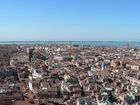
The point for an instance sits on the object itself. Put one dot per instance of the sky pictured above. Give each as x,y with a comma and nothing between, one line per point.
69,20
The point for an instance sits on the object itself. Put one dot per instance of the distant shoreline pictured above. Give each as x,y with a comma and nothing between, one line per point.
96,43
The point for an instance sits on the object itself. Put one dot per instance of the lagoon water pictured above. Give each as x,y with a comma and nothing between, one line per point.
96,43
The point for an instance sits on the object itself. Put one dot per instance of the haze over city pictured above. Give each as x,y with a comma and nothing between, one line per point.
69,52
69,20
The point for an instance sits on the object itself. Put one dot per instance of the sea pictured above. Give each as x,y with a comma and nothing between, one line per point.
94,43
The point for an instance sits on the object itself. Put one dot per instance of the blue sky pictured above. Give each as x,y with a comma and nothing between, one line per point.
93,20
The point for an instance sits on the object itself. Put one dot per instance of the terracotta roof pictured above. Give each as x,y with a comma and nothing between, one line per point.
26,102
